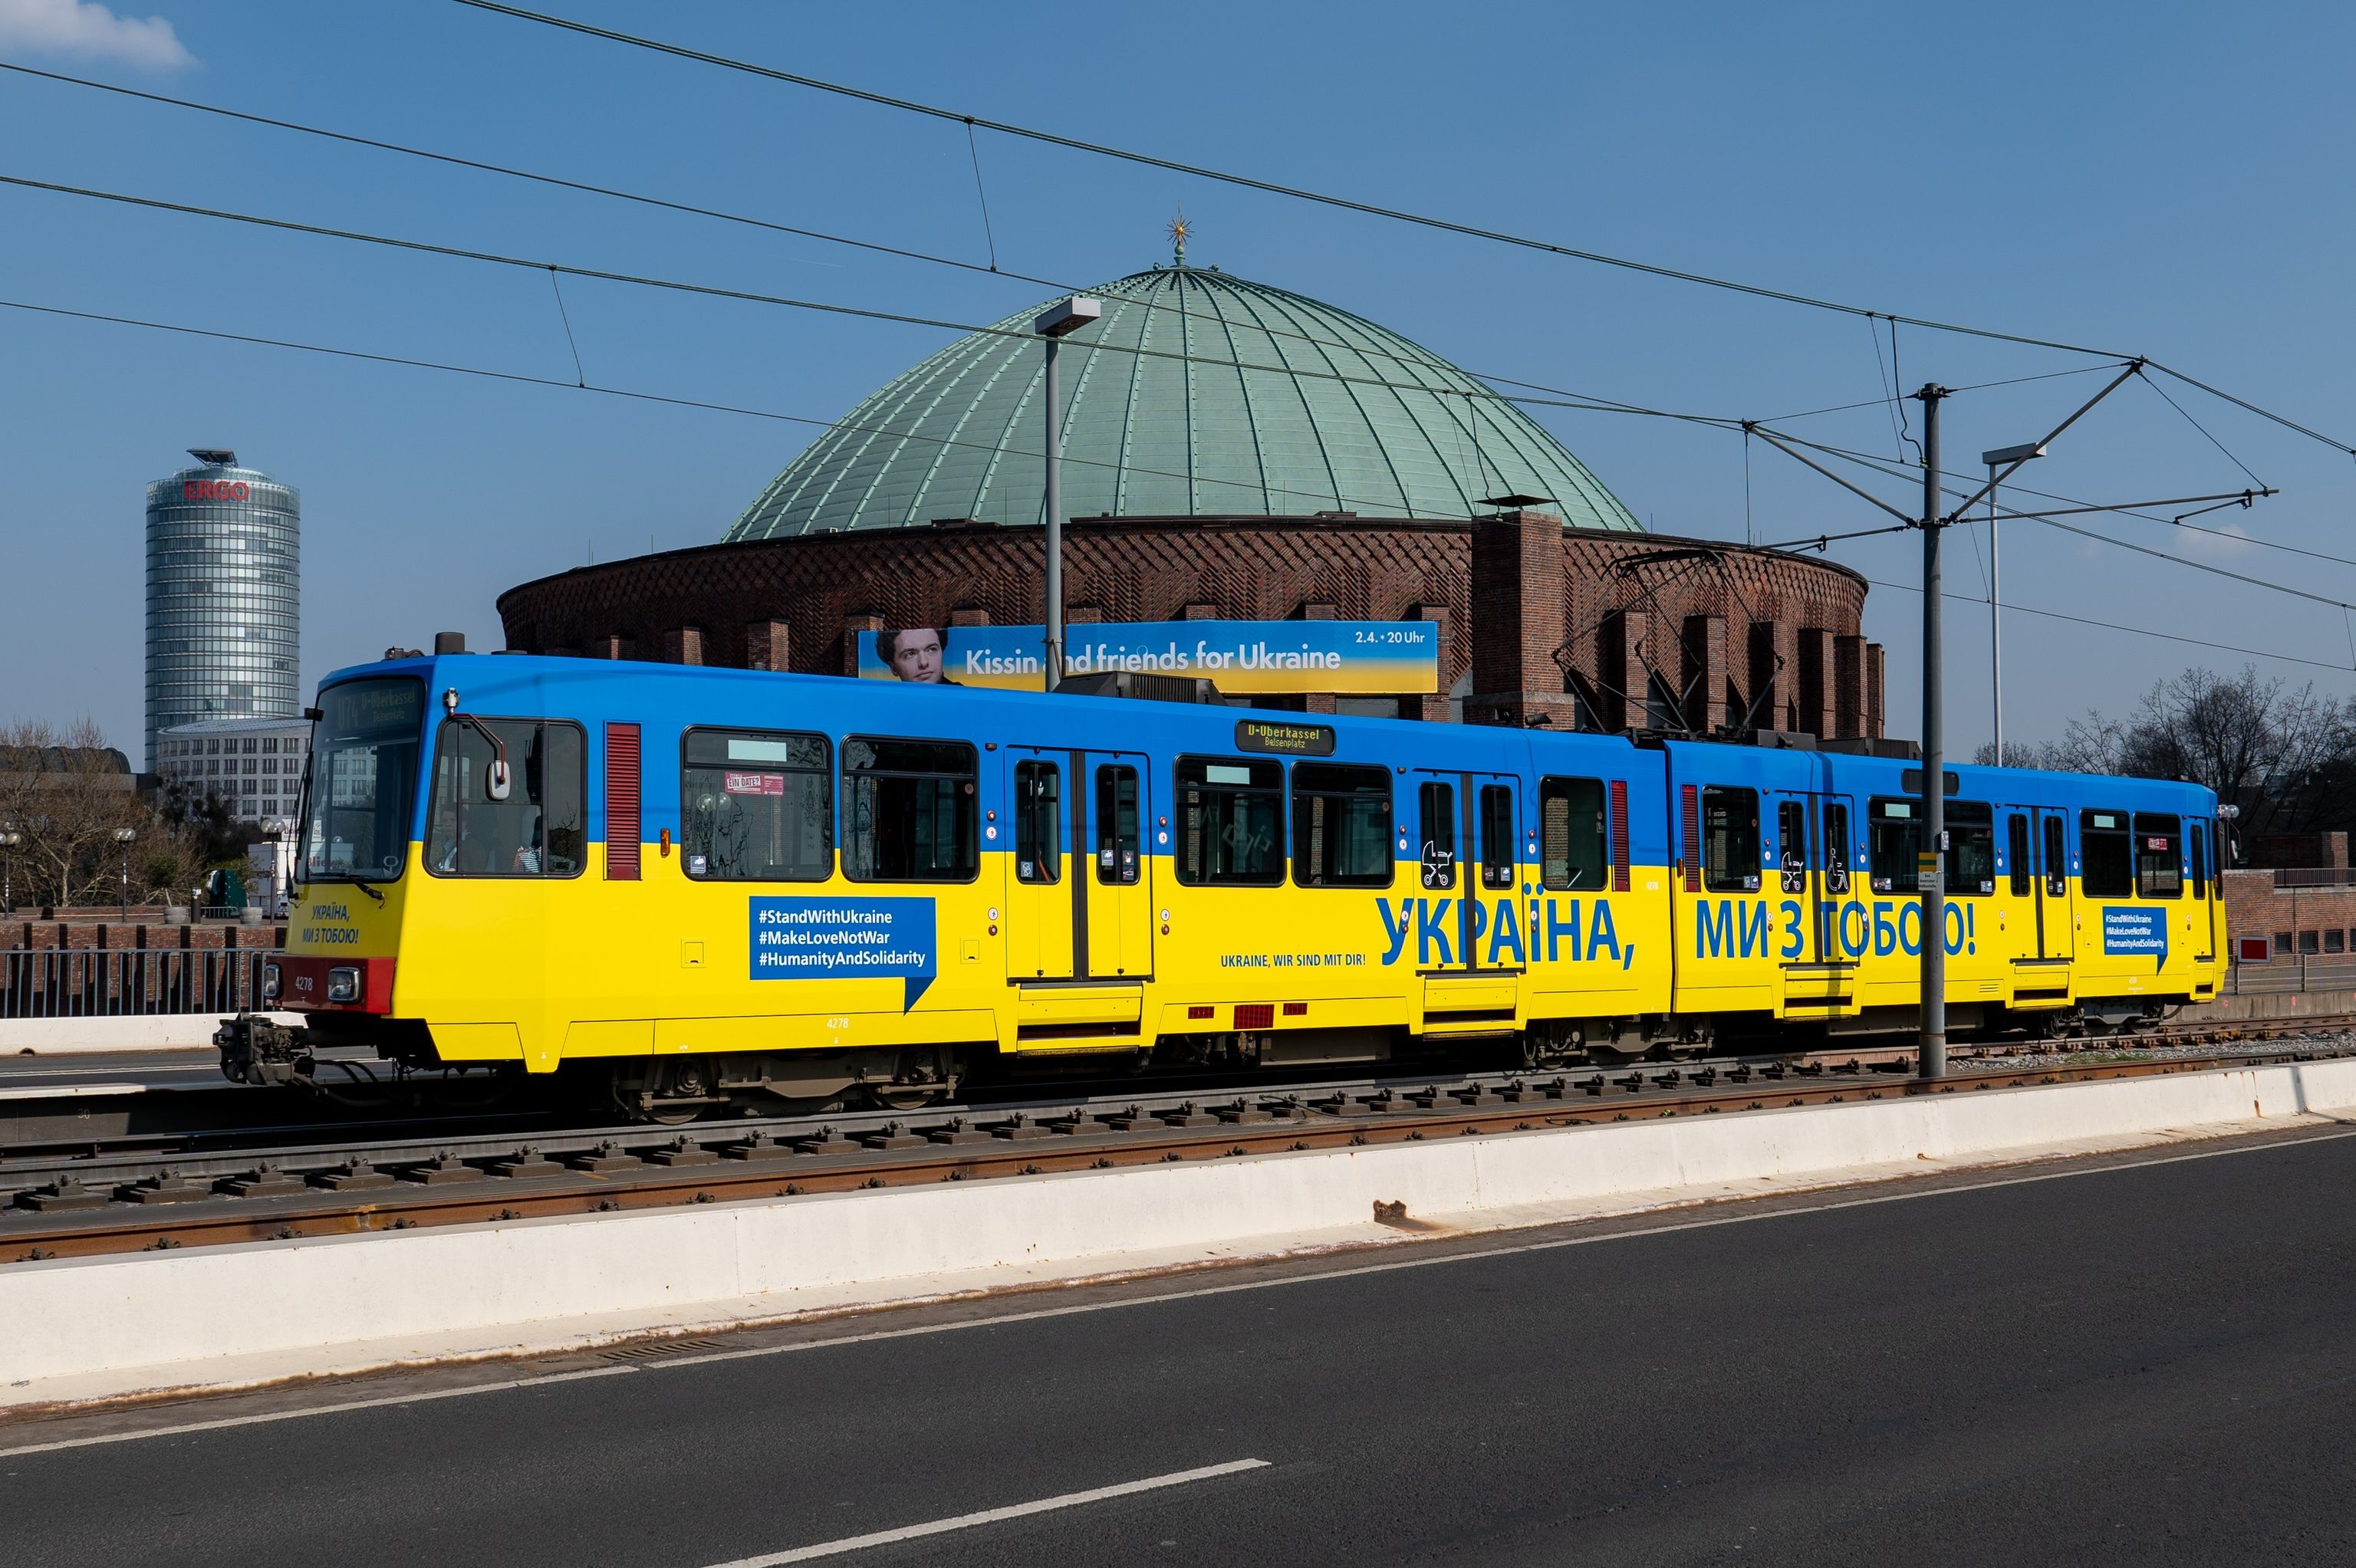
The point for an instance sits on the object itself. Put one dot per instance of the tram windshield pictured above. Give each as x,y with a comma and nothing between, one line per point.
362,788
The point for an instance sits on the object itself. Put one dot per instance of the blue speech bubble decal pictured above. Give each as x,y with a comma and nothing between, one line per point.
845,939
2129,933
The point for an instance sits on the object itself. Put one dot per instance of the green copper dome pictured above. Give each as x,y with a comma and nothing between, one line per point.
1330,412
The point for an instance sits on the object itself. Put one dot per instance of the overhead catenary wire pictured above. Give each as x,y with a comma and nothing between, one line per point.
581,380
2203,429
2012,609
1250,182
750,297
1367,349
992,269
632,394
707,405
2126,509
580,377
2188,561
1373,209
982,195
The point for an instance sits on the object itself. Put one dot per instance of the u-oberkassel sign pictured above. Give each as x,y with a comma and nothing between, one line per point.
1384,656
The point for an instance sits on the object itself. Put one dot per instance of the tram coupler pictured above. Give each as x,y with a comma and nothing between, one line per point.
256,1050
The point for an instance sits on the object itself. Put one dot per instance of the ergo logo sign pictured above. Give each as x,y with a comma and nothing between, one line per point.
213,490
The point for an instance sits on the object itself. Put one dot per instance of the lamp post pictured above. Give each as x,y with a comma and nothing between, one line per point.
2002,457
123,835
1060,321
9,839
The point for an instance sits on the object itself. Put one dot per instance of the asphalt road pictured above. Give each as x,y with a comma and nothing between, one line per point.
2132,1362
20,1072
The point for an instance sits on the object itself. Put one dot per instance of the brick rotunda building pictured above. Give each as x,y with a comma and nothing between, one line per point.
1236,452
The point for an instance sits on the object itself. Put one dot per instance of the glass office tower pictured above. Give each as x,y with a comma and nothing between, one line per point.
224,575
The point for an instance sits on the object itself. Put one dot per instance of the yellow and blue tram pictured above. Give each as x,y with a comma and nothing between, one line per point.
693,886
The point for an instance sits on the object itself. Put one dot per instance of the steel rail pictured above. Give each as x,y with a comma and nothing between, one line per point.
657,1166
61,1144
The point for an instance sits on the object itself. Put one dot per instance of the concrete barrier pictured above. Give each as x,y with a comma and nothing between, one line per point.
92,1035
2270,1006
96,1327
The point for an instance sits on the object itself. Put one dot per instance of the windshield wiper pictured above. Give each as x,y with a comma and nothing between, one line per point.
368,889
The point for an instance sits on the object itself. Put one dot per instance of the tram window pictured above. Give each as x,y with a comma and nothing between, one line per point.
1038,822
1971,847
2158,857
2057,859
910,813
1119,833
755,806
538,831
1230,823
1570,834
1341,825
1729,841
1837,848
2104,846
1436,813
2016,849
2199,862
1893,841
1792,844
1498,862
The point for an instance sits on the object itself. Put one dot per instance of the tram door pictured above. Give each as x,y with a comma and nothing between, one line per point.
1118,919
2057,918
1079,888
2205,891
1470,832
1039,881
1811,876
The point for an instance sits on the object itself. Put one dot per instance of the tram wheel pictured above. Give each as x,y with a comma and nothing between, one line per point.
909,1097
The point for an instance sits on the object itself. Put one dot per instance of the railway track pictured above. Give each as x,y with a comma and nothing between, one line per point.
65,1207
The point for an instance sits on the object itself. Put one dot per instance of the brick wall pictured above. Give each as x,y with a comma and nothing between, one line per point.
1565,622
2255,907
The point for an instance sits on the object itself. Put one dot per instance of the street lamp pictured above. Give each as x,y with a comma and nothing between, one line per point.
2002,457
1058,322
123,835
9,839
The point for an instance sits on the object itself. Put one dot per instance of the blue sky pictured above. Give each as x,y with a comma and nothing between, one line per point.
2156,178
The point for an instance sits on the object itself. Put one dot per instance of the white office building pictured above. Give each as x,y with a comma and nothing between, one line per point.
254,766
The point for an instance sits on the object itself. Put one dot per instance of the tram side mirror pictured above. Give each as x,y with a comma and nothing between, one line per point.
498,779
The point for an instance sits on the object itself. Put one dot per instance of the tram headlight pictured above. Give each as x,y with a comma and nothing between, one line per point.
270,982
343,985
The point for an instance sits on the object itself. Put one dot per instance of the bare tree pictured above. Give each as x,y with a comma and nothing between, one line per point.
2089,744
68,794
2286,758
2267,749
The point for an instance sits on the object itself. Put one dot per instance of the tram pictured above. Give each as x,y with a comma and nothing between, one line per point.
688,887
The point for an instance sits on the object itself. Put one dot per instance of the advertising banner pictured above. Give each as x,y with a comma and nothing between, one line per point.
1237,657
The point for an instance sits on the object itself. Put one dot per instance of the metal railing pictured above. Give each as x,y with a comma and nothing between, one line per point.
2315,877
125,982
2291,972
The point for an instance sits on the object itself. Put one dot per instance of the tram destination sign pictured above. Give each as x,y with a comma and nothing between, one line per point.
1236,657
1284,740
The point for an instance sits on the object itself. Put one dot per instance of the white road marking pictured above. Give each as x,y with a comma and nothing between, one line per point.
420,1398
65,1091
1044,1313
994,1516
